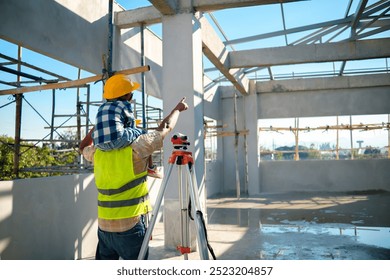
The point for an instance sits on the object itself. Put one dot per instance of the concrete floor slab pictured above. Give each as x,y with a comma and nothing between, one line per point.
293,226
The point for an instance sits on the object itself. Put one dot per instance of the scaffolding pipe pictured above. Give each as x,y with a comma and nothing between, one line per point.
78,112
236,134
284,23
350,122
388,135
246,166
87,112
18,120
52,116
337,138
296,133
110,36
72,83
142,27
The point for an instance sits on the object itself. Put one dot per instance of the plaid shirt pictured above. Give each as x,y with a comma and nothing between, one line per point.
112,119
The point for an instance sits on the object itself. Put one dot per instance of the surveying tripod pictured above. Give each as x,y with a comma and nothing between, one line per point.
181,157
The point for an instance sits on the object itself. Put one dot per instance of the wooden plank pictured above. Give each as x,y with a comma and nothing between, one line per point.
72,83
229,133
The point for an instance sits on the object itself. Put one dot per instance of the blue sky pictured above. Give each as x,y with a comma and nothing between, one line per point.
236,23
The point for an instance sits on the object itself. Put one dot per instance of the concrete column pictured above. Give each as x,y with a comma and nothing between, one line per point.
182,77
250,103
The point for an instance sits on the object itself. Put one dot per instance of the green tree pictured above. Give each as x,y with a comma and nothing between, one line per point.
6,157
32,156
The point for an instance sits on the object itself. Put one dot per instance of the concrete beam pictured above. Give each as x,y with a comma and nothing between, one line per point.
353,50
165,7
153,14
355,95
333,83
216,52
133,18
213,5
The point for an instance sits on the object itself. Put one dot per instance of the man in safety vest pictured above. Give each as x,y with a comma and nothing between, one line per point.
121,181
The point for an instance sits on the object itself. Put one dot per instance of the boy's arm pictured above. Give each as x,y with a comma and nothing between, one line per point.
133,133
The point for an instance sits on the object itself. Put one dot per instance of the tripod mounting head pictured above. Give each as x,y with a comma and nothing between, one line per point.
180,141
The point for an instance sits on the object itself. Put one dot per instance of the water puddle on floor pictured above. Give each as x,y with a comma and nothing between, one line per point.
372,236
304,234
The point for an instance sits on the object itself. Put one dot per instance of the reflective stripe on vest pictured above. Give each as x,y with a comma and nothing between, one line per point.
126,187
121,203
121,193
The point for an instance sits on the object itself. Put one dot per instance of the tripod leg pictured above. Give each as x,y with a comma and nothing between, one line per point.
184,224
201,236
153,218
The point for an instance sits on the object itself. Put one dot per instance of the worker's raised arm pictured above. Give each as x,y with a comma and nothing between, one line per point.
170,121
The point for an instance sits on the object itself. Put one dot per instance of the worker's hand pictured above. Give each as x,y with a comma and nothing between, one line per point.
181,106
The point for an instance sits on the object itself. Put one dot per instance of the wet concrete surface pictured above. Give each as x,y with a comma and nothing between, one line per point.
293,226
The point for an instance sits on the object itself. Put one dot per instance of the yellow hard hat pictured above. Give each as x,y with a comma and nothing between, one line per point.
119,85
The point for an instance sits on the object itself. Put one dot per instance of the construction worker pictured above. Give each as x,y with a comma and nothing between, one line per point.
120,177
115,126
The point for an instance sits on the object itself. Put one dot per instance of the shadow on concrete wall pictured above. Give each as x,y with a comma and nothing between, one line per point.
78,38
49,218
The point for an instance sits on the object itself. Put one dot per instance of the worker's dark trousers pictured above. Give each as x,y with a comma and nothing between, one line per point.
125,245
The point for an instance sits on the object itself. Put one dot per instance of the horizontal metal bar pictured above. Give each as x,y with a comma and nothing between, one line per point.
19,73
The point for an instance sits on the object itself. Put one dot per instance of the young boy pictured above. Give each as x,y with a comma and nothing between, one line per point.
115,123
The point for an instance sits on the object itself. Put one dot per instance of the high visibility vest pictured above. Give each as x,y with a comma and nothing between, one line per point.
121,193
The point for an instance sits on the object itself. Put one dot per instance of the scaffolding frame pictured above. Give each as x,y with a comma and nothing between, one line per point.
350,127
82,111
